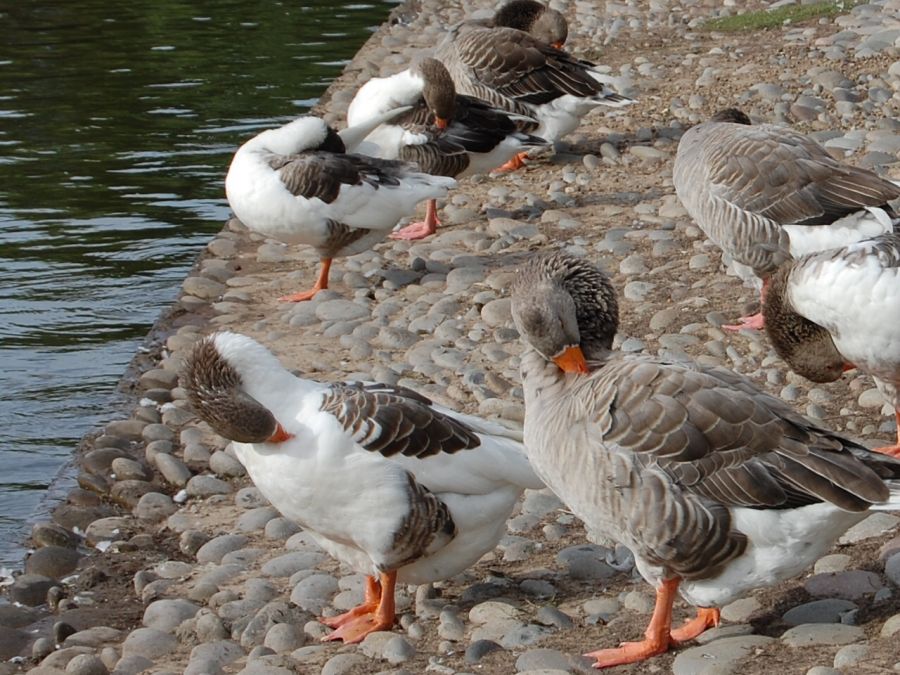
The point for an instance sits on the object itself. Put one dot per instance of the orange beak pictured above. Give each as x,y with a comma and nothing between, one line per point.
440,122
849,366
557,45
571,360
280,435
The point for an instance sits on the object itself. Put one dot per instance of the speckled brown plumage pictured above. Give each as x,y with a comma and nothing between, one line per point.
394,420
428,525
214,392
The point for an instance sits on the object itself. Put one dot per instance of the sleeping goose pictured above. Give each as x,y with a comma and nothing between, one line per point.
517,72
765,194
541,22
445,134
716,487
830,311
296,184
390,484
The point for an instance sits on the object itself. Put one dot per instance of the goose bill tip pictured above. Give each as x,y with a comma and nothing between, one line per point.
571,360
280,435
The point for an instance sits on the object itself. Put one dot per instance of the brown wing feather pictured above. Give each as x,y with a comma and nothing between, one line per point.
395,420
719,437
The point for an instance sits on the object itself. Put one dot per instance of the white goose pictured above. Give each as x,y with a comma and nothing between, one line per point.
387,482
716,487
516,71
445,134
297,185
765,194
831,311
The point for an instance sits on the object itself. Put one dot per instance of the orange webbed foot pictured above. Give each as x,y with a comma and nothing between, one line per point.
707,617
514,164
753,322
355,630
628,652
414,231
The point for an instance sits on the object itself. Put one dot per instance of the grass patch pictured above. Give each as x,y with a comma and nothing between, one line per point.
775,18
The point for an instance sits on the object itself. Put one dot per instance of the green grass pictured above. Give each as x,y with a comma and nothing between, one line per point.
790,14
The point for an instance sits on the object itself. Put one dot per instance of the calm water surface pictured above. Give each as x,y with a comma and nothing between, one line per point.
117,123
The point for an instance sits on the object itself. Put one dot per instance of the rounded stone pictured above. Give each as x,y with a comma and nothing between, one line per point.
52,561
86,664
284,637
155,507
51,534
148,642
30,589
207,486
215,549
166,615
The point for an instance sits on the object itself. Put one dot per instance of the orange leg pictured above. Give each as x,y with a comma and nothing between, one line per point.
321,284
656,638
892,450
422,229
754,321
707,617
370,604
515,163
381,618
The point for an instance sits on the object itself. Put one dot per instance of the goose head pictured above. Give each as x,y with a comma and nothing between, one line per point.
733,115
302,134
216,375
806,347
438,90
543,23
565,308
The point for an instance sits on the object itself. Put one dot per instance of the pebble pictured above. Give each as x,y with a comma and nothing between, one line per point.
818,611
808,634
849,585
52,561
86,664
149,642
166,615
30,589
215,549
721,657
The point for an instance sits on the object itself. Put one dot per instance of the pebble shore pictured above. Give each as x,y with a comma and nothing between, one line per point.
166,559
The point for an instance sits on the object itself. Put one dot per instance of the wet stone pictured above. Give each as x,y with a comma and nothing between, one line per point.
51,534
30,589
52,561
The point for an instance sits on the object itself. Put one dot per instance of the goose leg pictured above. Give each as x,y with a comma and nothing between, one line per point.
515,163
892,450
707,617
656,638
321,284
380,618
423,229
370,604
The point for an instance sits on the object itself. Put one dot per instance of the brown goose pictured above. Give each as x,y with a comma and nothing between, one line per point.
765,194
516,71
830,311
716,487
296,184
444,133
392,485
541,22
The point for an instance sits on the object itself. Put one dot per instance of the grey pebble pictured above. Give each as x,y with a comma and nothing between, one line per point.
52,561
154,507
166,615
586,561
280,529
215,549
223,464
851,655
398,650
809,634
207,486
313,592
721,657
86,664
818,611
284,637
479,649
30,589
148,642
343,663
287,564
173,469
850,585
256,519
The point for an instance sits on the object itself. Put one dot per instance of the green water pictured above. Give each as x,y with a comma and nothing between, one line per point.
117,123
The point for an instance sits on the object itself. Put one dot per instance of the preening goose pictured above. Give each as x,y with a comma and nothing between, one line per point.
444,133
517,72
387,482
765,194
296,184
828,312
716,487
541,22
